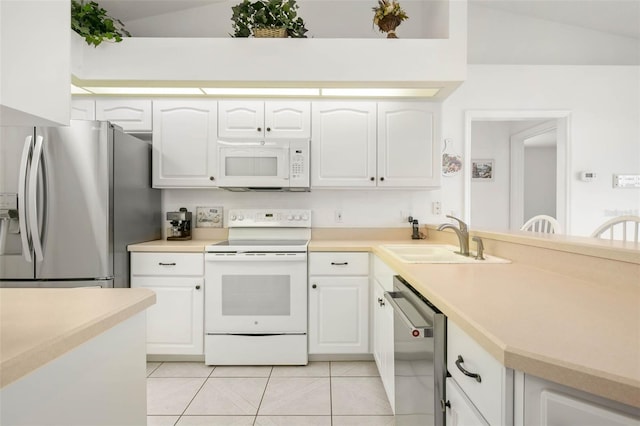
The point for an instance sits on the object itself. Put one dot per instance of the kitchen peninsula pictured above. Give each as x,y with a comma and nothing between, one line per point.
73,356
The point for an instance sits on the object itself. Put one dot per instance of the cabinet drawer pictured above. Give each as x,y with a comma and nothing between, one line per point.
167,264
491,394
339,263
383,273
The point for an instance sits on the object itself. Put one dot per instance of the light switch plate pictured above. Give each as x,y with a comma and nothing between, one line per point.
208,217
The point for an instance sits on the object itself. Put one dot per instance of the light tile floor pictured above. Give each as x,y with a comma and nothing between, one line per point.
345,393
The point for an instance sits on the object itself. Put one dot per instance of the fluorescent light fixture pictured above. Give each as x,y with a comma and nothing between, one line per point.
75,90
382,92
248,91
145,90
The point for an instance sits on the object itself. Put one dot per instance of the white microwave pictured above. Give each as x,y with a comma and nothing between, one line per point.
263,165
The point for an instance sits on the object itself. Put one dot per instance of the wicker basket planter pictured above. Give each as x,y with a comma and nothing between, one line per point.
388,24
270,32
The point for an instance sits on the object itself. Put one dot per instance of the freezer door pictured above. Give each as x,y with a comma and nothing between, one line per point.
16,254
75,202
57,284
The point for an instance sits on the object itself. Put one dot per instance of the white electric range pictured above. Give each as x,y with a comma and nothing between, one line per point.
256,289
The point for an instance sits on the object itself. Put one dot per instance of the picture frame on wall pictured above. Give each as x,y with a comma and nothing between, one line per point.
482,170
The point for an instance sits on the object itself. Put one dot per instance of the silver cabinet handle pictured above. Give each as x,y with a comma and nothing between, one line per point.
339,263
467,373
167,264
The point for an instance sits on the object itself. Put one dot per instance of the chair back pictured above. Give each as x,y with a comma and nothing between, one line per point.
542,223
624,228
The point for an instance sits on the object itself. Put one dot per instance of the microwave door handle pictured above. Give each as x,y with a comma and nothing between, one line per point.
22,200
225,143
33,199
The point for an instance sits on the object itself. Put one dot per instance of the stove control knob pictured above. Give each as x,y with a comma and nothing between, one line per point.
233,217
296,217
240,217
290,217
305,217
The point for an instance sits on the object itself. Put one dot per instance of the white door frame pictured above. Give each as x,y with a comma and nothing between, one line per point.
516,187
563,165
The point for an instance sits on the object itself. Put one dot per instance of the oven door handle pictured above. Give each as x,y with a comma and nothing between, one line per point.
255,257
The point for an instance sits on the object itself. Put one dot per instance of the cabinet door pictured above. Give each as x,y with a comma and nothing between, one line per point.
184,137
338,315
383,341
133,115
240,119
343,144
175,324
83,109
287,120
408,144
460,411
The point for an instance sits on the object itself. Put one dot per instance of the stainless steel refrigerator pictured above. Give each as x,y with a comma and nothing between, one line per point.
71,200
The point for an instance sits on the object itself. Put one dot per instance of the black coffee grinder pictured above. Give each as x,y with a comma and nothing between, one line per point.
180,225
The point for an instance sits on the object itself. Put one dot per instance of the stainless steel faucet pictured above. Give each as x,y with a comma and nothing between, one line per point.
462,232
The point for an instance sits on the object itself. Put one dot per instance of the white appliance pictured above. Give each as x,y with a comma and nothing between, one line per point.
263,165
256,298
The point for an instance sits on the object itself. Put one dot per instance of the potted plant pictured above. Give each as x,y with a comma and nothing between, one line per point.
94,24
267,18
388,15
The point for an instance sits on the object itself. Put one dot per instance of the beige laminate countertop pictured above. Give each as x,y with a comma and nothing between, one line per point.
37,325
571,331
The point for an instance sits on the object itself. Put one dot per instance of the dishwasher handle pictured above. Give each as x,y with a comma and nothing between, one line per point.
416,330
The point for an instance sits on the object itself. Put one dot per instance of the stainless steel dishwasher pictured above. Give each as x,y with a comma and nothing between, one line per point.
420,363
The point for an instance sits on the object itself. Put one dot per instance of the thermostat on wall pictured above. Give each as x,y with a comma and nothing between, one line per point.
208,217
587,176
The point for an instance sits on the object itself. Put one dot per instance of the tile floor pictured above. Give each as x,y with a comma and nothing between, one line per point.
345,393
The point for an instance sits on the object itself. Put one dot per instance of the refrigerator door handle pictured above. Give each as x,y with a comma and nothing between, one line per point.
33,199
22,200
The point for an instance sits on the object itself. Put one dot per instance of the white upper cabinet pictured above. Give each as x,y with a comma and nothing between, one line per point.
264,120
133,115
408,148
35,63
343,144
369,144
83,109
184,137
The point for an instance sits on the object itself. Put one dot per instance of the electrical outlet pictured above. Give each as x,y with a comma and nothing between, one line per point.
337,216
436,208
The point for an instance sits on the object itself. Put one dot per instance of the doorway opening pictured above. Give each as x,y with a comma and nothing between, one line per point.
529,155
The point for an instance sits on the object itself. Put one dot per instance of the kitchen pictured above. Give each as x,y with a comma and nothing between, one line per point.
486,86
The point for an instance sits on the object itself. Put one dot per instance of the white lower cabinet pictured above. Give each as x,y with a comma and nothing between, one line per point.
383,327
485,382
338,303
460,410
175,324
548,403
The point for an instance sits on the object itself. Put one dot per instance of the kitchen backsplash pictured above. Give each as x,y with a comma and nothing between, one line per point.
330,208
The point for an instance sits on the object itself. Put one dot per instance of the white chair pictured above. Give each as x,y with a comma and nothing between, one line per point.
625,228
542,223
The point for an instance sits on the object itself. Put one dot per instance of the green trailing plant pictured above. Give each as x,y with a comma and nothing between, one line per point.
94,23
249,15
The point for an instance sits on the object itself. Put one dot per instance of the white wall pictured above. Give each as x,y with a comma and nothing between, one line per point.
500,37
360,208
604,128
539,181
490,199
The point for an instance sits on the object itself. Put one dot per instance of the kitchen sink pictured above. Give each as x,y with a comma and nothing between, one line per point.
435,253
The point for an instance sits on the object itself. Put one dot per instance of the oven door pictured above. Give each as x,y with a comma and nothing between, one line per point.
256,293
253,164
